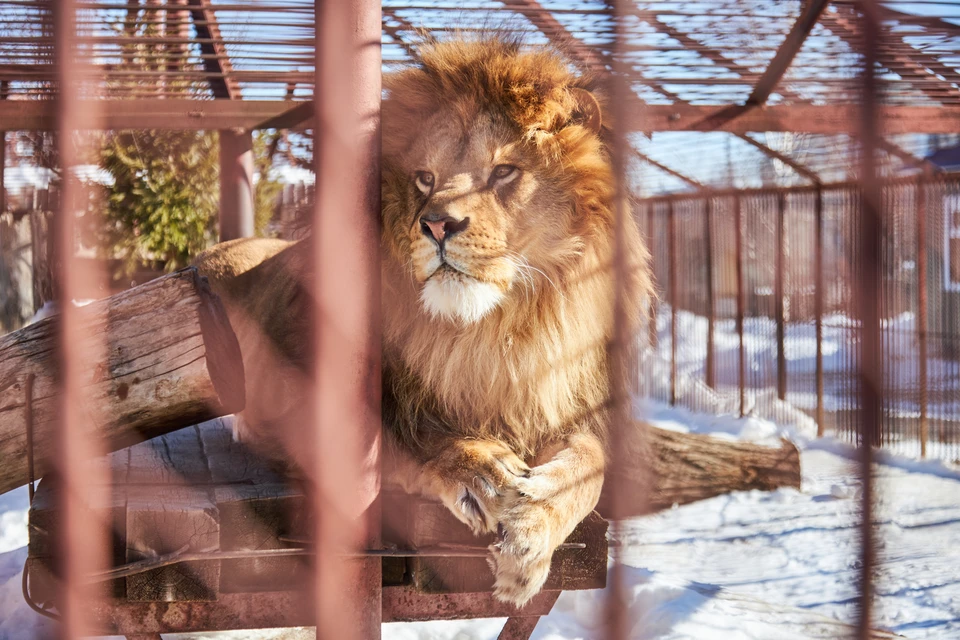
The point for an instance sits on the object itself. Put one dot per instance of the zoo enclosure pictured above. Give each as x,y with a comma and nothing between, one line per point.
719,84
757,300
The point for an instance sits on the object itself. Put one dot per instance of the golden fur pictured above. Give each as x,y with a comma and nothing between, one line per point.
476,402
495,339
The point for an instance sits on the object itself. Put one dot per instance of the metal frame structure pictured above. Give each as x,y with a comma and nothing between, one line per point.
68,73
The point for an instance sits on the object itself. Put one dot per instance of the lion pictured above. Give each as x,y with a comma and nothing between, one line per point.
497,246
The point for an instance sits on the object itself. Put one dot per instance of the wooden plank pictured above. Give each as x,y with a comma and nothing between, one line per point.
262,516
108,508
163,520
170,360
173,459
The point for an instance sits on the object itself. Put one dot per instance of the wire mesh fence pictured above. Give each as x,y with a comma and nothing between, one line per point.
798,339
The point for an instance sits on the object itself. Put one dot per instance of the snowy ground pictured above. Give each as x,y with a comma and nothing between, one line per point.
725,567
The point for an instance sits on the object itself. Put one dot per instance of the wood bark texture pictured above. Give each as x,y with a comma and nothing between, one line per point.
686,467
166,358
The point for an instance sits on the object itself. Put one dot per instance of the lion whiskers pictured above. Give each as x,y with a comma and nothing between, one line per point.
526,270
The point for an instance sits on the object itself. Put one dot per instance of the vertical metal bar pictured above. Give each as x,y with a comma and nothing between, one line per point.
710,365
621,357
236,185
778,302
741,304
81,547
868,295
346,363
672,247
818,305
922,312
654,307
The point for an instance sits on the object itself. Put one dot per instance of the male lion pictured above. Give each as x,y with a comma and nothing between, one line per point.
497,248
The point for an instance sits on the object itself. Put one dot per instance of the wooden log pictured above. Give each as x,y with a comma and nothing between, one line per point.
686,467
169,360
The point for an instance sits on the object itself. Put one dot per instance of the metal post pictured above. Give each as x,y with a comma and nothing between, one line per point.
922,311
868,298
620,355
652,325
741,303
236,185
778,302
81,545
710,365
672,247
345,406
818,305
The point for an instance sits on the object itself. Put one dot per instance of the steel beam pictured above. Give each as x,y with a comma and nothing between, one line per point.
809,15
215,61
148,113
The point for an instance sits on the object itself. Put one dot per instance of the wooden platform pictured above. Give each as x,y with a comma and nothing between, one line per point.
197,491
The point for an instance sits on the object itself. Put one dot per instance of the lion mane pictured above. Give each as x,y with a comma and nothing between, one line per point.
536,368
499,233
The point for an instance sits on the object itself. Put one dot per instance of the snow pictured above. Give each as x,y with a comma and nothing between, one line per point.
744,565
748,565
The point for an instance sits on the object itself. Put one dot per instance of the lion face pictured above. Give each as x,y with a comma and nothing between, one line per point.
478,214
480,201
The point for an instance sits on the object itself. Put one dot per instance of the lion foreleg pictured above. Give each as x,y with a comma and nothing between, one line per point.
473,478
541,511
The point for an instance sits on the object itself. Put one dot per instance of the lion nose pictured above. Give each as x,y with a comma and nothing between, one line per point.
441,227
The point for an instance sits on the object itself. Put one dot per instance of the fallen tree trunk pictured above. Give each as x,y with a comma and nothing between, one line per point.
167,359
686,467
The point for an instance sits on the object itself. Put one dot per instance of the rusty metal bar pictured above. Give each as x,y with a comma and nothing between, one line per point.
212,44
621,353
345,404
236,185
922,321
81,544
868,297
809,15
652,337
818,305
674,298
741,348
710,365
778,300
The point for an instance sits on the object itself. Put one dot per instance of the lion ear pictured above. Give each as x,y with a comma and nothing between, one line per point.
587,111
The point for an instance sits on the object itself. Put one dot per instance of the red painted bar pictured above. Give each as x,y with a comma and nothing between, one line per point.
778,302
708,222
922,302
818,306
345,256
868,297
741,304
81,542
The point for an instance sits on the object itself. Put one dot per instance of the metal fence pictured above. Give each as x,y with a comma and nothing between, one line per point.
757,301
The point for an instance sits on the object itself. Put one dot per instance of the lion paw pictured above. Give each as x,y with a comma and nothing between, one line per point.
475,477
521,559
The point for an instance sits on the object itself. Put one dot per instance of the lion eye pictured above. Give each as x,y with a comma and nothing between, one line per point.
502,172
425,181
